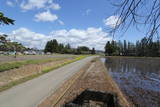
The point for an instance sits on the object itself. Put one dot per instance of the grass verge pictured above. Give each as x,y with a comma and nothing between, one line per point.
14,83
17,64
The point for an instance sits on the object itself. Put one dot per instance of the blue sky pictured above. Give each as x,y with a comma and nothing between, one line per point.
78,22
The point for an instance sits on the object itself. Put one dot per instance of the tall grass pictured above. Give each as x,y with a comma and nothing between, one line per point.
17,64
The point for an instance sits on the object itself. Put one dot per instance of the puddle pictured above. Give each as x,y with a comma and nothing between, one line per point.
91,98
139,78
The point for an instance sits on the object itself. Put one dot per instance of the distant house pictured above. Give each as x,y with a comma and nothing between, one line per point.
40,52
6,53
48,53
99,52
1,52
30,52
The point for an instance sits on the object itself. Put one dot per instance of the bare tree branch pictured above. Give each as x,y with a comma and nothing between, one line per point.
139,12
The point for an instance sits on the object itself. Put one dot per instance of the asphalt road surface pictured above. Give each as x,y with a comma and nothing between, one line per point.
31,93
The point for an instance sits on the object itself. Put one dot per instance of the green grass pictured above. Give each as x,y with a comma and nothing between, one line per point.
17,64
14,83
67,62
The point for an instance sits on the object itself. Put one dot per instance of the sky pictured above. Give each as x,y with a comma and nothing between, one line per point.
77,22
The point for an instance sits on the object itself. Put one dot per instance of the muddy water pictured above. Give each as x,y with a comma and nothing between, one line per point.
138,78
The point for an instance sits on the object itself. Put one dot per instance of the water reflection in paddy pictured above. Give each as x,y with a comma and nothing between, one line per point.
139,78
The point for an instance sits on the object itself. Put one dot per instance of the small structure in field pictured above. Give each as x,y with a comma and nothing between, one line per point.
91,98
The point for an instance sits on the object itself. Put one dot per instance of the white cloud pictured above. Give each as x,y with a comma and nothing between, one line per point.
9,3
60,22
54,6
29,38
88,11
112,21
46,16
32,4
46,5
91,37
1,33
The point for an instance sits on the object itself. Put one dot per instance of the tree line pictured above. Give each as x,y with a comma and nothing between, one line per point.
144,47
53,46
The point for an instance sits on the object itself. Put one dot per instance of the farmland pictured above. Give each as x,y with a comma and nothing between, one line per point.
15,71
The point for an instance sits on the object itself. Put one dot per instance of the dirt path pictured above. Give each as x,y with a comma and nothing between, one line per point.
31,93
95,78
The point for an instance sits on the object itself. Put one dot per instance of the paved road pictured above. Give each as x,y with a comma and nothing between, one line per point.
31,93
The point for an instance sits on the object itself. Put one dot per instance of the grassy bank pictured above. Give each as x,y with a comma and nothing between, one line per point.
19,81
67,62
16,64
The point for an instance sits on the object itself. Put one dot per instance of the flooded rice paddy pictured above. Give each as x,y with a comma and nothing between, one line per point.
138,78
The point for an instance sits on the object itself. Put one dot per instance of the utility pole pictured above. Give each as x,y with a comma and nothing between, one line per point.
15,52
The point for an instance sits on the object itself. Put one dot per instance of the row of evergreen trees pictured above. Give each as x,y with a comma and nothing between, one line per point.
144,47
53,46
